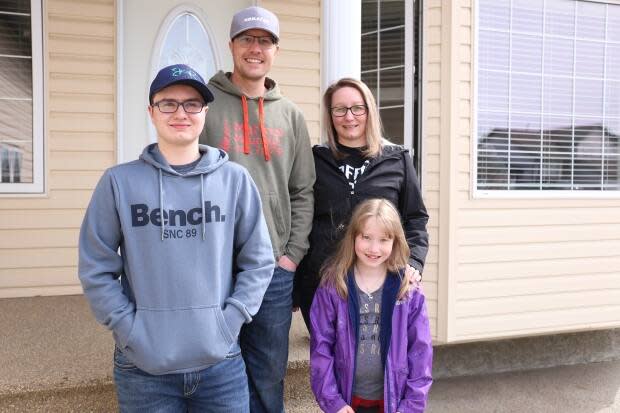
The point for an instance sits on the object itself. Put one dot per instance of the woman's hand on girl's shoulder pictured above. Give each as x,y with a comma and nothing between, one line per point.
414,277
346,409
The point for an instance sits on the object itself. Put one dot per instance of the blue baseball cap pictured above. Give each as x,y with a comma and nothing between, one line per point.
180,74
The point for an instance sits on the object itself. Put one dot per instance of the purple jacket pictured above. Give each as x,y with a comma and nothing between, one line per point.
333,347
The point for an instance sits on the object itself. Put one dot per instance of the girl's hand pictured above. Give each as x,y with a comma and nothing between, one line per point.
346,409
414,277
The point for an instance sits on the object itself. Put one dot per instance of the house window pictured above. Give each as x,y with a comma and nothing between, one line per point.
548,96
21,95
389,58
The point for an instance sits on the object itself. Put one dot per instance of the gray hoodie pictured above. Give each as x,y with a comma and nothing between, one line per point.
189,279
268,135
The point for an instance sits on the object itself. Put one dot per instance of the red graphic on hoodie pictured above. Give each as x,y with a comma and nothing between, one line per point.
233,140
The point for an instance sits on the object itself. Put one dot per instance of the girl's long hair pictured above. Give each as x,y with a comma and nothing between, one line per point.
374,130
334,271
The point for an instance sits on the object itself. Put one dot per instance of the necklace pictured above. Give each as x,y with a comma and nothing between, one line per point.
363,288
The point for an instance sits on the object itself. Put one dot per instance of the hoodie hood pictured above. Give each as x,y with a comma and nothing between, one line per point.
222,81
210,160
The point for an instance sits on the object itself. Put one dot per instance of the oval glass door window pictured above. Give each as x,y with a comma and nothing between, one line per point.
187,41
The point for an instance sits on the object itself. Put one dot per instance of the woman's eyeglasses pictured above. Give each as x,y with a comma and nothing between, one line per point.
356,110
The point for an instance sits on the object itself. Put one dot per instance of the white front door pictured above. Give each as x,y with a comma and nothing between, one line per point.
157,33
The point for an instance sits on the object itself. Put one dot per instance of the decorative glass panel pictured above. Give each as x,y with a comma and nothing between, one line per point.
187,42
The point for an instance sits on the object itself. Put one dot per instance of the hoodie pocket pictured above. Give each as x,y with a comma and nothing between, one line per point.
170,341
274,215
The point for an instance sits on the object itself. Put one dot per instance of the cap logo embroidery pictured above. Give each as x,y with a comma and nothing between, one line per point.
258,18
177,71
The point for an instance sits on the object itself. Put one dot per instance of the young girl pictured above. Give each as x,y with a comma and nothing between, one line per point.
370,348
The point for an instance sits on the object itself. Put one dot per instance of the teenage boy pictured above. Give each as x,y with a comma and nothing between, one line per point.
266,133
183,230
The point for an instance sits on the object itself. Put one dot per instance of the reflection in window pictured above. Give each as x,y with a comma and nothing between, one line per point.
548,95
16,119
10,165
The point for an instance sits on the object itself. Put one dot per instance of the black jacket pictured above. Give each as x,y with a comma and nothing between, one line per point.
391,176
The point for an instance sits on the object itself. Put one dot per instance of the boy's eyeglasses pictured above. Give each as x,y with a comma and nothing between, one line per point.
264,42
356,110
171,106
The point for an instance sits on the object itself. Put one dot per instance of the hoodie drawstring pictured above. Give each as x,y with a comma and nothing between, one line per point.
202,205
246,127
161,203
263,132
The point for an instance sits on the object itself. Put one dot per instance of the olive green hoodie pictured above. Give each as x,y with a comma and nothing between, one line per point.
268,135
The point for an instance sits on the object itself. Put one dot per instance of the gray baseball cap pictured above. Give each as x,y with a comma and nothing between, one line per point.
255,18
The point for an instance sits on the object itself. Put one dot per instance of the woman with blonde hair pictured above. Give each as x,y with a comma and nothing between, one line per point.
357,163
370,348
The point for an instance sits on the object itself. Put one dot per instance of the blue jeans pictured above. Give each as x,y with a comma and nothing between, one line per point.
264,345
216,389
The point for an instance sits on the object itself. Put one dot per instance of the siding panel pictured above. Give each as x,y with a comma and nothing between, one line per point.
543,322
37,238
59,199
520,268
38,257
431,113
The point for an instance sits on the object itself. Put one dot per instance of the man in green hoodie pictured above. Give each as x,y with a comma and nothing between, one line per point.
266,133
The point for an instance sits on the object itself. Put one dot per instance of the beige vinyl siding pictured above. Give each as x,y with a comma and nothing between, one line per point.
297,66
508,267
38,236
430,173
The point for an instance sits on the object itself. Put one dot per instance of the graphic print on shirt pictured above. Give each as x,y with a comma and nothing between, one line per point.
171,219
232,139
352,173
370,316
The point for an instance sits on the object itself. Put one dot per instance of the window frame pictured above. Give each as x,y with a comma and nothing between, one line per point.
37,186
412,119
377,70
515,193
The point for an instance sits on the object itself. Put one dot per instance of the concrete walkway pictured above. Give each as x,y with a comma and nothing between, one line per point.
591,388
55,358
588,388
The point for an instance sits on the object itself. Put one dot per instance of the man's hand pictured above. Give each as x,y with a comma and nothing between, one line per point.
346,409
287,264
414,277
